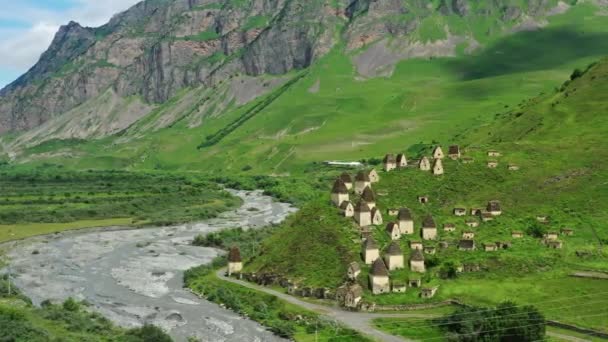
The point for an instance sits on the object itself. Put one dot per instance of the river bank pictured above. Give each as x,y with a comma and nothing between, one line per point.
134,276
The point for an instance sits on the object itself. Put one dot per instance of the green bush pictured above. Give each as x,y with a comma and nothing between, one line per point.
147,333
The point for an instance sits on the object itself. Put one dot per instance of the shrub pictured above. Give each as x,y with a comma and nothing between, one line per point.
147,333
71,305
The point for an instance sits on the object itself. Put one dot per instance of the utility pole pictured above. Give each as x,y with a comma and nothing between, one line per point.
316,331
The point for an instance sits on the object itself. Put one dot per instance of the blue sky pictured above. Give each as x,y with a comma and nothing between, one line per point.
28,26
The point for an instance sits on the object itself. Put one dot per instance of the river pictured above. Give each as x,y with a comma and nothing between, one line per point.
135,276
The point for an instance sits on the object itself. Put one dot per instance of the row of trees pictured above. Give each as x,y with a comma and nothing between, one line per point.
505,323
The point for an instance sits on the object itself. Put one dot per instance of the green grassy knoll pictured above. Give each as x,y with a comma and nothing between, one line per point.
315,245
40,201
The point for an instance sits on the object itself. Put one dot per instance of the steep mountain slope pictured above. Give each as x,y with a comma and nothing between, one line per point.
210,56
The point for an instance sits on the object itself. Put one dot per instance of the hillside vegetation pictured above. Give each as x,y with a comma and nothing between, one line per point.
336,109
555,139
57,200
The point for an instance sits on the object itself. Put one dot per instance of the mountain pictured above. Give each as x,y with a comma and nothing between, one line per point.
213,56
275,85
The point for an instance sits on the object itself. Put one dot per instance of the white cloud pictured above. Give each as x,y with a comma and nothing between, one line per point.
21,47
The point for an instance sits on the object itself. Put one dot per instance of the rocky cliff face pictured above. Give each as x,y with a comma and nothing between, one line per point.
158,47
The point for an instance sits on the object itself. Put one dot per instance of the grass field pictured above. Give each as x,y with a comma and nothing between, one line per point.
20,231
46,200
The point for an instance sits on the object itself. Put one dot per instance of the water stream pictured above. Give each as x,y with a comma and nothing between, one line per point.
135,276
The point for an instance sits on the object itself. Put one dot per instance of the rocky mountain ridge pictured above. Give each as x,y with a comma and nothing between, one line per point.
146,55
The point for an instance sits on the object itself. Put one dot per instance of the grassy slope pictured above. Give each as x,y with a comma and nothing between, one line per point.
314,246
563,175
424,100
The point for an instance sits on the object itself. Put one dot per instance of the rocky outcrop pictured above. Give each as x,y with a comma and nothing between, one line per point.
156,48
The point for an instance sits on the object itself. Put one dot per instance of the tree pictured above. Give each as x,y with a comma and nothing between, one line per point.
147,333
505,323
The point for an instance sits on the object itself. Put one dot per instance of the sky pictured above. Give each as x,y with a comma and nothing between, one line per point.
28,26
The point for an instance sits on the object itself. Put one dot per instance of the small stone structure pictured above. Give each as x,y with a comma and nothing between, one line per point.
414,282
392,212
516,234
490,247
429,228
466,245
430,250
449,227
373,176
349,295
476,211
339,193
472,223
512,167
428,292
347,209
376,217
362,181
492,164
454,152
235,262
438,167
468,160
417,261
551,236
394,257
363,214
390,162
370,251
460,211
423,199
494,208
468,235
567,231
424,164
493,153
555,244
369,197
399,287
438,153
347,180
378,278
416,245
406,222
486,217
393,231
401,160
353,270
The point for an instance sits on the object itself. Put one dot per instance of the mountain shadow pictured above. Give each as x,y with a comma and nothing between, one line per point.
531,51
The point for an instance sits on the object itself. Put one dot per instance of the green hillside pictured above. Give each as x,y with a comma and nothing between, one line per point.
351,117
556,140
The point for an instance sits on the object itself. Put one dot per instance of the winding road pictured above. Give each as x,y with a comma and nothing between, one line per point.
359,321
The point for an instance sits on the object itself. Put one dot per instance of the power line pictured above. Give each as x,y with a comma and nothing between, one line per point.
435,338
510,315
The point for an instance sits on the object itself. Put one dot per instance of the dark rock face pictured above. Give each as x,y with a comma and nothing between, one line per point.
158,47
